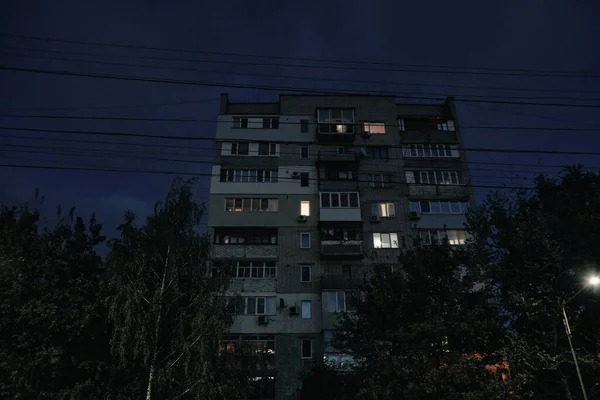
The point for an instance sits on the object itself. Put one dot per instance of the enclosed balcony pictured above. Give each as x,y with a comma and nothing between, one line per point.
340,206
338,156
247,242
341,240
335,125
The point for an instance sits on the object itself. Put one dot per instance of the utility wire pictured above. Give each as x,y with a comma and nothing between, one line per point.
297,123
110,107
461,70
278,76
122,134
275,88
212,149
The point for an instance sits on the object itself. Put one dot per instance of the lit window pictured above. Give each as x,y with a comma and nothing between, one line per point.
385,240
375,128
384,210
306,309
305,208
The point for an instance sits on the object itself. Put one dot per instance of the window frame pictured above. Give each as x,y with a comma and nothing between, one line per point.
384,181
438,235
256,299
309,269
302,344
328,195
250,268
367,125
430,150
252,201
462,204
389,205
304,125
302,149
302,314
303,212
389,237
336,301
302,234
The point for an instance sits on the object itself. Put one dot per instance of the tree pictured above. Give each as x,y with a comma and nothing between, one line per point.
424,332
537,247
54,343
169,312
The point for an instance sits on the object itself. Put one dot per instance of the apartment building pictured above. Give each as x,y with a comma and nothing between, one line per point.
311,193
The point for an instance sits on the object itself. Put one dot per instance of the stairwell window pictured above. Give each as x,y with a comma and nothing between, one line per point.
305,240
303,126
304,179
303,151
385,240
306,352
306,309
305,273
305,208
374,128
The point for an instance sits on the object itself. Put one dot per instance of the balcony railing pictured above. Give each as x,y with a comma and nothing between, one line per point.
336,157
329,281
342,249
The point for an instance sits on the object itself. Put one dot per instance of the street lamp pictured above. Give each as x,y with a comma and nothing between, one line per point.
592,281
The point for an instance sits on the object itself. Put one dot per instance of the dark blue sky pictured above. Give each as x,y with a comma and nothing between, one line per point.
528,34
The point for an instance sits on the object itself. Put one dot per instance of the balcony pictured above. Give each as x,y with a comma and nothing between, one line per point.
341,132
449,192
340,214
349,249
245,251
340,282
335,157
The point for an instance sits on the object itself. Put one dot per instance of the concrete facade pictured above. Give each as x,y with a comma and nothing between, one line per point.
328,170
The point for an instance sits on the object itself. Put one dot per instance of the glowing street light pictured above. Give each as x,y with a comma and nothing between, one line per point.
592,281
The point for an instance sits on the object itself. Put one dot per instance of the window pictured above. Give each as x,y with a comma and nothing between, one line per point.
375,128
304,179
251,204
257,306
339,200
264,344
346,271
377,153
305,208
335,120
435,177
249,175
446,125
455,237
380,181
385,240
270,123
439,206
383,210
256,269
341,233
336,301
303,151
420,124
306,309
258,235
305,274
431,150
256,122
240,149
267,149
401,125
306,348
305,240
303,126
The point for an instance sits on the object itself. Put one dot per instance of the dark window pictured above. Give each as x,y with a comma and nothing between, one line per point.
420,124
239,148
263,236
378,153
305,273
244,122
270,123
304,179
303,126
306,348
346,271
303,151
263,149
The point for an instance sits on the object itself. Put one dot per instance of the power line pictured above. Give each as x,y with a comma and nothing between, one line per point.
210,121
310,78
121,134
109,107
90,169
275,88
162,146
478,70
129,155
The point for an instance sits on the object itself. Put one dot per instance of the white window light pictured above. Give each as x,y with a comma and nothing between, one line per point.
305,208
385,240
383,210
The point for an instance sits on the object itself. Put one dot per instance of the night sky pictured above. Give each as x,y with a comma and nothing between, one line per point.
537,37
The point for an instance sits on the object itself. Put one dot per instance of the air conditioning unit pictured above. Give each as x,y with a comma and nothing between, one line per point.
414,215
296,175
263,320
293,311
375,219
302,218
